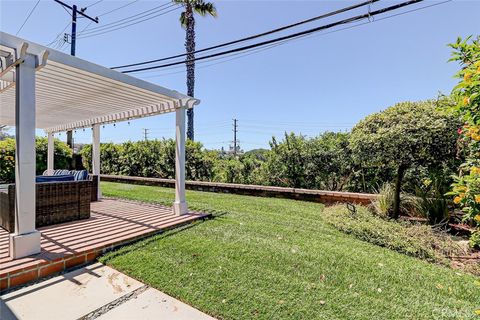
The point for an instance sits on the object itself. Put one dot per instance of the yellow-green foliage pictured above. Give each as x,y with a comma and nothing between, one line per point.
63,155
466,190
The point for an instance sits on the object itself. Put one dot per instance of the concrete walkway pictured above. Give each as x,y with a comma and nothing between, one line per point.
93,292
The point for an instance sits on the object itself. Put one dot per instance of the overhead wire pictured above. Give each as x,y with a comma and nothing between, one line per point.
276,30
124,23
307,37
28,17
290,36
97,2
116,9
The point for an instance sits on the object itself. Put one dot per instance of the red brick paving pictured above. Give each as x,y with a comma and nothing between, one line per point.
112,223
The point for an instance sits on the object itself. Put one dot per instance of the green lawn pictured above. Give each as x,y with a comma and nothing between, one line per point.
266,258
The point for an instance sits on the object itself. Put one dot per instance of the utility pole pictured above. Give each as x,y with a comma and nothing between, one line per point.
235,130
73,43
145,134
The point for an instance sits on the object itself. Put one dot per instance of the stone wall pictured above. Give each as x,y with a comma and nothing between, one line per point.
327,197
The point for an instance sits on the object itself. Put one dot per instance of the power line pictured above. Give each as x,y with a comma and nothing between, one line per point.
105,13
126,19
58,36
130,22
291,36
89,6
121,7
256,35
75,12
28,17
304,37
88,25
128,25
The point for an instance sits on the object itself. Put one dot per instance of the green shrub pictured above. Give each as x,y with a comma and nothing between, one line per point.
7,160
475,239
430,201
63,156
384,204
155,158
419,241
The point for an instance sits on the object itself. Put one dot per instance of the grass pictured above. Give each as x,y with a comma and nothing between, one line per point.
266,258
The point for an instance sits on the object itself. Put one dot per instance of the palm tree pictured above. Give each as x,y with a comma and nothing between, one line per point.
187,20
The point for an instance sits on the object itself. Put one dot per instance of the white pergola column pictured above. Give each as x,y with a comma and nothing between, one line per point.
96,155
50,154
180,205
26,239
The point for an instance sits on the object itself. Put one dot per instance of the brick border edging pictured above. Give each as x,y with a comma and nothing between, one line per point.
321,196
47,268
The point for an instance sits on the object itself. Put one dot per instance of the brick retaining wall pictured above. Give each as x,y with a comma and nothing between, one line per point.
327,197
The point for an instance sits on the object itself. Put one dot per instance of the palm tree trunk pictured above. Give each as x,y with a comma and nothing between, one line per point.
190,48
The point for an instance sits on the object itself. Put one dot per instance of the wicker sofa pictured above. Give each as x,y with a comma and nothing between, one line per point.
56,202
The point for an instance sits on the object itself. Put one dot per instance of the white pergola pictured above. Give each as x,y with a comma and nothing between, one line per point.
47,89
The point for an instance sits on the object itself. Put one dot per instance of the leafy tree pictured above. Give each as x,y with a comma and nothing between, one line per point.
466,94
253,166
405,135
110,157
229,170
328,165
187,20
154,158
285,165
63,156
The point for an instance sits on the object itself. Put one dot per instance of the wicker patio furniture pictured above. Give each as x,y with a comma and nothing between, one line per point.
56,202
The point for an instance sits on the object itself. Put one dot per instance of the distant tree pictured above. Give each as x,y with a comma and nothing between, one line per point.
63,156
329,163
4,132
405,135
187,20
153,158
285,165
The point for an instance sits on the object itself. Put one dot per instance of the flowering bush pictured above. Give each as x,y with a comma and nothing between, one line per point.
466,189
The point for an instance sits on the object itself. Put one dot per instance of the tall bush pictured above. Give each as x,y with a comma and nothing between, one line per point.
466,189
63,156
405,135
155,158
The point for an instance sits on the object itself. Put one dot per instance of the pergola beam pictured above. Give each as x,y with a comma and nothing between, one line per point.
26,239
180,204
96,154
50,153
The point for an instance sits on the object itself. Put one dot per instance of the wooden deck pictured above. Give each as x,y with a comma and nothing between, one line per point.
112,223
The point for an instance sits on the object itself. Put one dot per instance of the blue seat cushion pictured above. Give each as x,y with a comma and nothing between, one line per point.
79,175
57,178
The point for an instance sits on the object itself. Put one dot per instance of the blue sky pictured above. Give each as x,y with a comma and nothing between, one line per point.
324,82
